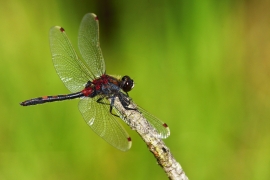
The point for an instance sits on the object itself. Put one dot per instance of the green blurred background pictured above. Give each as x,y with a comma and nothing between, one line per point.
201,66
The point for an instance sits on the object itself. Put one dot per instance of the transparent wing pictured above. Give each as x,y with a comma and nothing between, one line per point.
98,117
89,44
71,70
161,127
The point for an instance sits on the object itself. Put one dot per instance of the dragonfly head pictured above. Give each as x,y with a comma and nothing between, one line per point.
127,83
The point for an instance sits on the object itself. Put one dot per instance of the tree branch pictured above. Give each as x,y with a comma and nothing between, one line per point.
161,152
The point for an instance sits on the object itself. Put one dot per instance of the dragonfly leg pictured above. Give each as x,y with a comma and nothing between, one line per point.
111,105
125,101
127,108
100,101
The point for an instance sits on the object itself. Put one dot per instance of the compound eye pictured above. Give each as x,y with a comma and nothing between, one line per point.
124,78
127,83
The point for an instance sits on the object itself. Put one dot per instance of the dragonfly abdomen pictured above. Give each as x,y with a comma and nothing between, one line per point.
45,99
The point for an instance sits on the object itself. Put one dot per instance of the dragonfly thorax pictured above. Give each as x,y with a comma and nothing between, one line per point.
108,85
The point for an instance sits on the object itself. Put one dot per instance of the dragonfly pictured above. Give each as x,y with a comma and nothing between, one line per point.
86,79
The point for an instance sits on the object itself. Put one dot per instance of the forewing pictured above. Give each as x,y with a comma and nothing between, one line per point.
161,127
98,117
89,44
71,70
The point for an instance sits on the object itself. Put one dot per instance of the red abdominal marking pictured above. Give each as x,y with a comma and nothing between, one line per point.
165,125
45,97
62,29
87,91
129,139
96,18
